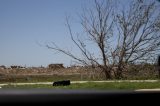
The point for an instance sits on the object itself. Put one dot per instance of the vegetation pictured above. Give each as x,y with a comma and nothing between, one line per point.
134,72
120,35
42,78
93,85
125,42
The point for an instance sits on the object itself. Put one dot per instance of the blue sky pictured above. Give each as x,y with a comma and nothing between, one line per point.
23,23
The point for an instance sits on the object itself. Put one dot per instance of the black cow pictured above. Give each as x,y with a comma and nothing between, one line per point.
62,83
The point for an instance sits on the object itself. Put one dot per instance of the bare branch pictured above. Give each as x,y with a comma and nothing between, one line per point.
121,37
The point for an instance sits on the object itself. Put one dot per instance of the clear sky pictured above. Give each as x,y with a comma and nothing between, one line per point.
24,24
27,25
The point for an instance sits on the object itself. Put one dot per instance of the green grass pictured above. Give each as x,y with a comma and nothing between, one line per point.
43,78
93,85
51,78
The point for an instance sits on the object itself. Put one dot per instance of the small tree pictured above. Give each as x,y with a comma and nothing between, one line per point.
120,37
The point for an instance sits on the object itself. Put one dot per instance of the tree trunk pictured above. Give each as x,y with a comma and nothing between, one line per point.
119,72
107,74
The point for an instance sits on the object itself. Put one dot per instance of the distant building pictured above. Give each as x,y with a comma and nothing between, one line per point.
17,67
2,67
55,66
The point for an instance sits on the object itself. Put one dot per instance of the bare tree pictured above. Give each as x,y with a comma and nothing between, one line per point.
138,34
121,37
